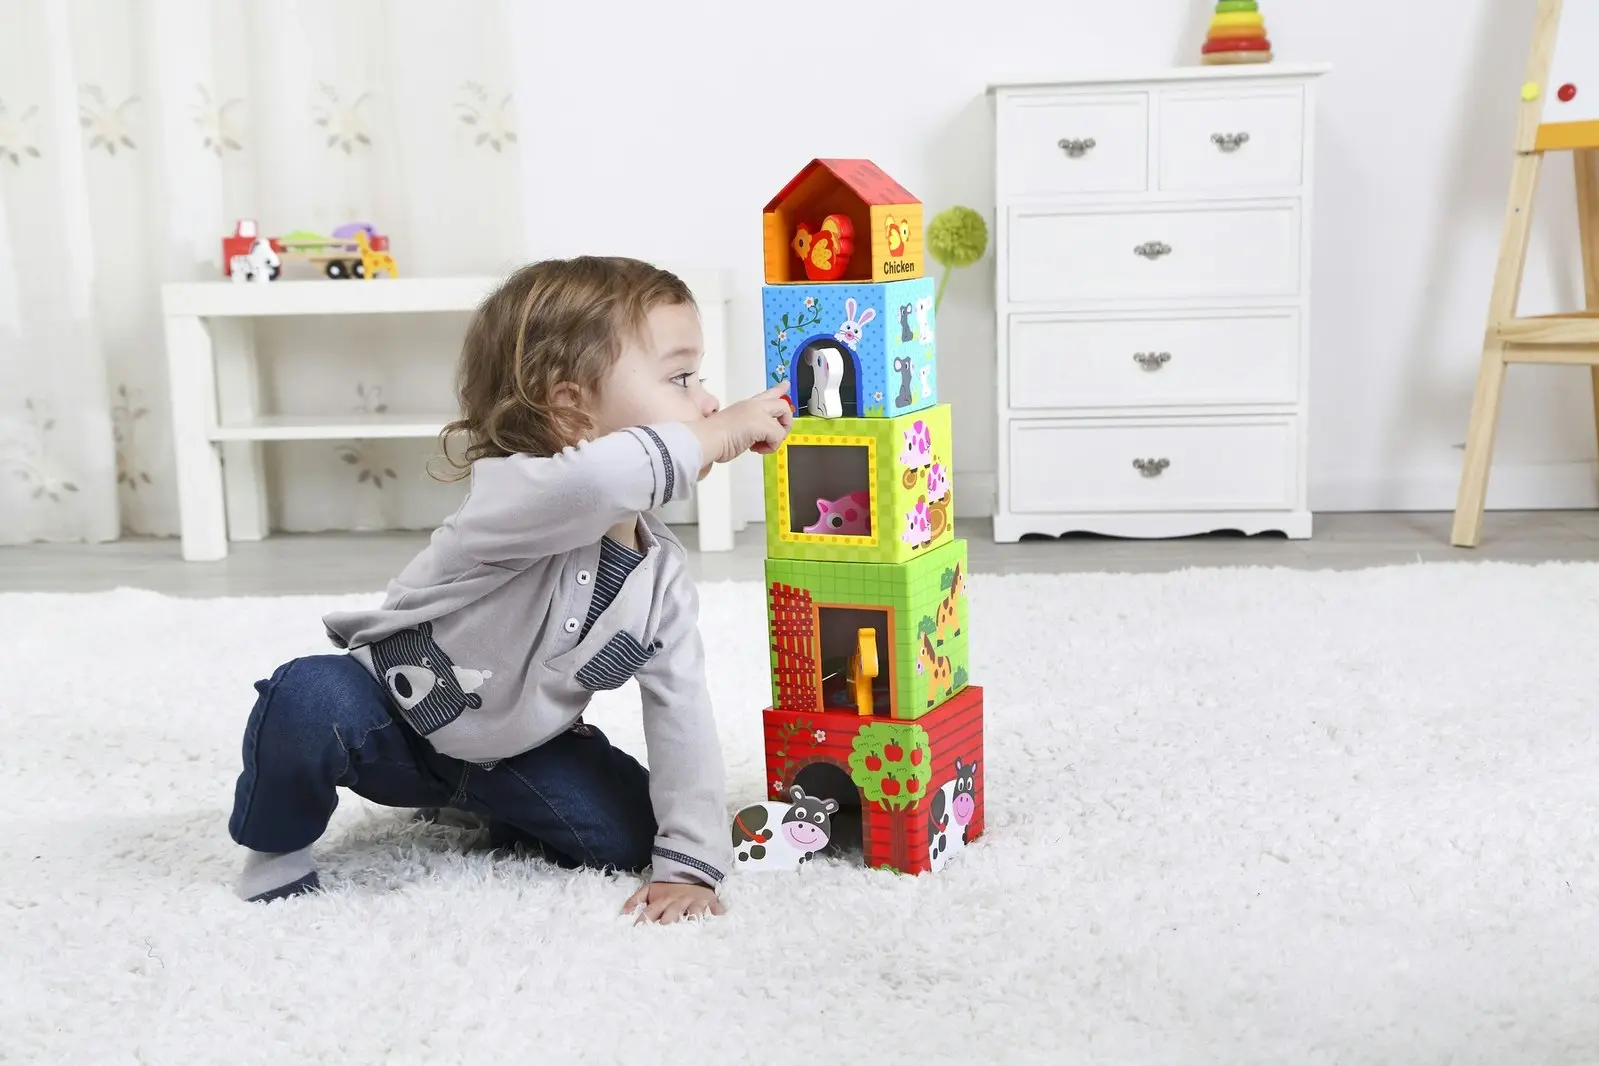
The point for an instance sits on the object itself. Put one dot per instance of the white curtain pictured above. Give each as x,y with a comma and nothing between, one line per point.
134,134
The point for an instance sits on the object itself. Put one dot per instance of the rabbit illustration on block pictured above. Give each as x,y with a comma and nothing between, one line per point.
850,331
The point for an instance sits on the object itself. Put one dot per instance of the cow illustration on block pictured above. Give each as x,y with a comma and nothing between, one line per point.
949,814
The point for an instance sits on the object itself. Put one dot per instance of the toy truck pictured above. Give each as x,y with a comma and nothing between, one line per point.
353,250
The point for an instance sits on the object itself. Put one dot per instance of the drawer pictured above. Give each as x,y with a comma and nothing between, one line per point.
1061,254
1083,144
1151,360
1231,140
1100,465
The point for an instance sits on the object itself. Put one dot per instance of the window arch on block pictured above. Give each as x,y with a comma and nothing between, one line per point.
801,377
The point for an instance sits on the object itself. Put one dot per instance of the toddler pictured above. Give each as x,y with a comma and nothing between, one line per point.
582,412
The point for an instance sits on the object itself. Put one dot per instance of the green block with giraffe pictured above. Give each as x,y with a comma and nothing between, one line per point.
817,612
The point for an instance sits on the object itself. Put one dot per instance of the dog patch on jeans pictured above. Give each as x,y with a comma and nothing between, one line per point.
429,690
621,658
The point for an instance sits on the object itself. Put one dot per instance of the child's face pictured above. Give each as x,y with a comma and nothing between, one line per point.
656,379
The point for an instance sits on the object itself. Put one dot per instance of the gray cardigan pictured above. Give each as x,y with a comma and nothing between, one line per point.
495,605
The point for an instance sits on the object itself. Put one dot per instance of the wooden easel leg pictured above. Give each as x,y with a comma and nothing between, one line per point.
1586,164
1593,375
1479,446
1491,372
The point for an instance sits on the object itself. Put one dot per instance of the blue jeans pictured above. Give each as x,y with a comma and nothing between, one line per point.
321,722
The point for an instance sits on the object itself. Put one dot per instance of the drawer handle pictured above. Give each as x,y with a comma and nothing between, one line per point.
1074,147
1229,142
1151,467
1151,361
1152,249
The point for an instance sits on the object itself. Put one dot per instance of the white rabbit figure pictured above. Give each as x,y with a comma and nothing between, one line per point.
827,372
924,319
850,331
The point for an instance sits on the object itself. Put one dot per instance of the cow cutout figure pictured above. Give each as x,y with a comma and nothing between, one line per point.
772,835
260,265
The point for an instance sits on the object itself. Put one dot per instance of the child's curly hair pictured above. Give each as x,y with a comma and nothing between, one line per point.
552,321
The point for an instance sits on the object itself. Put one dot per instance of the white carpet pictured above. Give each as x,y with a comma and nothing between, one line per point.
1234,816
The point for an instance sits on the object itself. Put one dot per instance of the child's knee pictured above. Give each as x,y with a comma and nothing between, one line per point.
316,698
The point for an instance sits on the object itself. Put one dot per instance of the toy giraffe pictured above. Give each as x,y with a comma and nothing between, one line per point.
875,733
374,262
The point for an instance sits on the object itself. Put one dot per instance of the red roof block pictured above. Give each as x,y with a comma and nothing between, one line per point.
861,176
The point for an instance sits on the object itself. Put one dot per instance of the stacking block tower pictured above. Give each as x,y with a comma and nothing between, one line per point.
1237,34
874,726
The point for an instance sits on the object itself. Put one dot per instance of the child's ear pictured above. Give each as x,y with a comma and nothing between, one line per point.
574,425
566,394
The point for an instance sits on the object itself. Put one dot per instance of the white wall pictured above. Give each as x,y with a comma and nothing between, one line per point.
667,142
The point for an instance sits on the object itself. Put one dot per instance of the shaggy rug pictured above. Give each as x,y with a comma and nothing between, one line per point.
1233,816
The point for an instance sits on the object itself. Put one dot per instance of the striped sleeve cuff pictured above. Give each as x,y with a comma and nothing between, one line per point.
680,867
674,454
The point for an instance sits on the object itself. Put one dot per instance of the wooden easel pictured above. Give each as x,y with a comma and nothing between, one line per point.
1571,338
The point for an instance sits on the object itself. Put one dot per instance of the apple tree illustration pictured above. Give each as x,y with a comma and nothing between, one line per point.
891,763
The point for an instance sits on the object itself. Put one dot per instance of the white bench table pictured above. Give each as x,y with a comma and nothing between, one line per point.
218,426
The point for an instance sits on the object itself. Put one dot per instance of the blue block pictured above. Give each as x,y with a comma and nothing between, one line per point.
892,368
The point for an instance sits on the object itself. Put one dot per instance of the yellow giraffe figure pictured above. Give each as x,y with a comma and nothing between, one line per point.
373,262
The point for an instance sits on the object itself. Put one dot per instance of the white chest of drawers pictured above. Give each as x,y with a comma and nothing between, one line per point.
1153,243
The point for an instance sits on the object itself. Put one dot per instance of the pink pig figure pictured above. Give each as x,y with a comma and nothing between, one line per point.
918,525
937,483
847,516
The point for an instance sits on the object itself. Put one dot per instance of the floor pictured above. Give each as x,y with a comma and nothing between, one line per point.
362,562
1354,824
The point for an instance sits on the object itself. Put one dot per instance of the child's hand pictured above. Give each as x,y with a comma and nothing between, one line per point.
666,902
757,424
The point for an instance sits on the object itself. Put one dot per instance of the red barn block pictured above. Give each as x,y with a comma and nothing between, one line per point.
917,785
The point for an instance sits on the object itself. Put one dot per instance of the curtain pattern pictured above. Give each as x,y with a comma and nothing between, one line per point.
133,135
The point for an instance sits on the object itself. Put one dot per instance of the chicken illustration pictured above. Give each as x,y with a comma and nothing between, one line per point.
825,251
899,236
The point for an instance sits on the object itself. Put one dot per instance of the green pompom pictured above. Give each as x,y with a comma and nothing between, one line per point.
957,237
